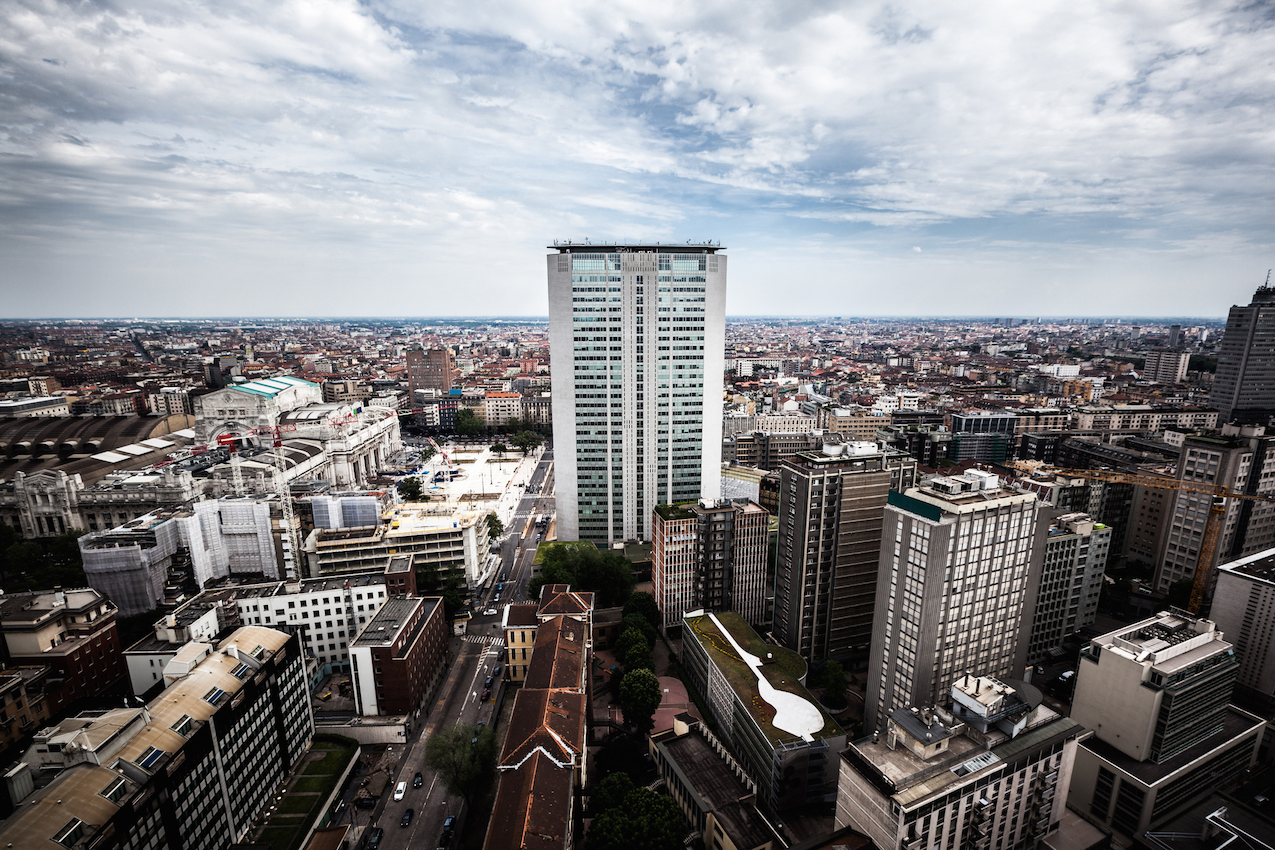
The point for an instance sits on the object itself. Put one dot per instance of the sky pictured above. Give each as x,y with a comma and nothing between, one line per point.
395,158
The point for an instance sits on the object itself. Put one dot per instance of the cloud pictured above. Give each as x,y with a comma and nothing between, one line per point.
394,131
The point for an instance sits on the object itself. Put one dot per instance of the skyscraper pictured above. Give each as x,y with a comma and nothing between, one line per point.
1167,367
1244,386
1076,550
830,509
960,558
429,370
637,335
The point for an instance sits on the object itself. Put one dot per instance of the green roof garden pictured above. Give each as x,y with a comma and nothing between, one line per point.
784,671
544,548
682,510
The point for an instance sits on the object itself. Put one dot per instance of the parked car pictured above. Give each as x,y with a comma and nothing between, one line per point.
407,817
400,791
418,780
496,671
486,694
487,684
449,826
374,840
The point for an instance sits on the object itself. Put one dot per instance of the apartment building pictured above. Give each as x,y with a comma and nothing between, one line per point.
1072,569
521,624
399,657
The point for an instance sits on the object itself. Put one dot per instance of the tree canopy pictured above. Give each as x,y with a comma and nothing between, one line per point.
495,527
639,698
525,441
610,792
464,758
645,821
467,422
40,564
834,685
605,573
410,489
644,604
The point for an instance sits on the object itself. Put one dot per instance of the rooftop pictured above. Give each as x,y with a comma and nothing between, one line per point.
718,787
566,246
1260,566
1234,724
390,621
272,386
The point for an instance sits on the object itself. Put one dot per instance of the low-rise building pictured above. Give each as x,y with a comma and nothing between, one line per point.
450,539
400,655
21,408
520,624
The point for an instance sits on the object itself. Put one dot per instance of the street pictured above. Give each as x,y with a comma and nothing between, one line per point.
477,654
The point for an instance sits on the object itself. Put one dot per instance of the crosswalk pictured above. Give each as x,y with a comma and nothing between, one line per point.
485,640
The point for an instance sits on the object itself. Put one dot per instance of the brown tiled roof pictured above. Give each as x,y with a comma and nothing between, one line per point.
548,721
564,601
522,615
558,657
535,803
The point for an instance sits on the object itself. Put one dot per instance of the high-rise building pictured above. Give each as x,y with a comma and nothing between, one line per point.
637,336
710,555
1175,336
1241,458
1244,386
1167,367
831,505
1244,609
429,370
1156,696
1076,550
960,558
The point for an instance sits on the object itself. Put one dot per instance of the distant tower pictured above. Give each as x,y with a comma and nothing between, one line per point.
1244,387
429,370
637,334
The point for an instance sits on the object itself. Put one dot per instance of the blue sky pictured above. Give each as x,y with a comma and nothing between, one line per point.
410,158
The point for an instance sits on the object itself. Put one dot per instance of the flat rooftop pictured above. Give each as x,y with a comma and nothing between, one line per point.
718,787
1234,724
390,621
569,247
1260,566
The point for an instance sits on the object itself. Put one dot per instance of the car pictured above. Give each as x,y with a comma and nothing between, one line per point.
491,612
374,840
487,684
504,577
365,802
497,599
496,671
407,817
449,826
418,780
400,792
486,694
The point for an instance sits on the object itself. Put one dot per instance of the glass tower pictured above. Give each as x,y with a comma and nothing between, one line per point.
637,336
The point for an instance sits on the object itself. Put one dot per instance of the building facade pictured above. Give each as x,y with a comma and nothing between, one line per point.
637,336
710,555
1244,610
959,563
1244,386
430,370
1166,367
831,505
1076,550
399,657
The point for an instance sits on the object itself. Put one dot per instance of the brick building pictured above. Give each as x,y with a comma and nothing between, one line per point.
399,657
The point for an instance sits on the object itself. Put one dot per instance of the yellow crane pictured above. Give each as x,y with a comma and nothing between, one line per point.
1212,528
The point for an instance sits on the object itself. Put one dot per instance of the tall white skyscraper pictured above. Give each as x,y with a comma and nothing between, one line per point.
637,335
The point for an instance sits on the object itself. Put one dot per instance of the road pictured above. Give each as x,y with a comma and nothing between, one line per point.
477,655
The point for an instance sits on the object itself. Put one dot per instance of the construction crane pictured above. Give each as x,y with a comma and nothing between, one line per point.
1212,527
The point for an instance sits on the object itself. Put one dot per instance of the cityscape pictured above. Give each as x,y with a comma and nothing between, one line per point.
699,426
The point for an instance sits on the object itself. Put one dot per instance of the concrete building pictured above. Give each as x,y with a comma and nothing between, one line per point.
72,631
710,555
170,401
1244,610
1156,696
24,706
755,693
1241,459
23,408
500,407
1076,550
349,510
637,402
193,768
960,562
1143,417
992,773
399,657
430,370
712,789
1244,386
831,505
1166,367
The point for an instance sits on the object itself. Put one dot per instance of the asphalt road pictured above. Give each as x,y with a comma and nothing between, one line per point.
459,700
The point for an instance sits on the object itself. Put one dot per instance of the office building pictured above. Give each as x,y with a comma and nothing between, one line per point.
193,768
984,435
400,655
73,632
710,555
637,336
960,561
1076,550
992,773
1244,610
1156,696
1241,459
1244,386
831,505
1166,367
430,370
787,744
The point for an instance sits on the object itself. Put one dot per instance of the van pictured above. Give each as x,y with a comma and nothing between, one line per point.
400,791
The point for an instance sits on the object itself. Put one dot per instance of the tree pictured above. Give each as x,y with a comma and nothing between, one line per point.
610,792
410,489
468,423
499,448
834,685
427,451
495,527
464,758
629,640
605,573
1179,593
644,604
645,821
639,698
525,441
637,621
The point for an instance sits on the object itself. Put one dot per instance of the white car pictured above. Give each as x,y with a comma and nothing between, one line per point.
490,612
400,792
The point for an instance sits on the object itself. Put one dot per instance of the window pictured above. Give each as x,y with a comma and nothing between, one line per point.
115,791
150,758
69,835
182,726
215,696
241,672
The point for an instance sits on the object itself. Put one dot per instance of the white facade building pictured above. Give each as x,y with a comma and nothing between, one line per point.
637,336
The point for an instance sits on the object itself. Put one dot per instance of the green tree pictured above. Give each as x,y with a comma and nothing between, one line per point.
464,758
639,697
1179,593
637,621
426,452
834,685
629,640
499,448
644,604
639,658
525,441
410,489
467,423
605,573
610,792
495,527
645,821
